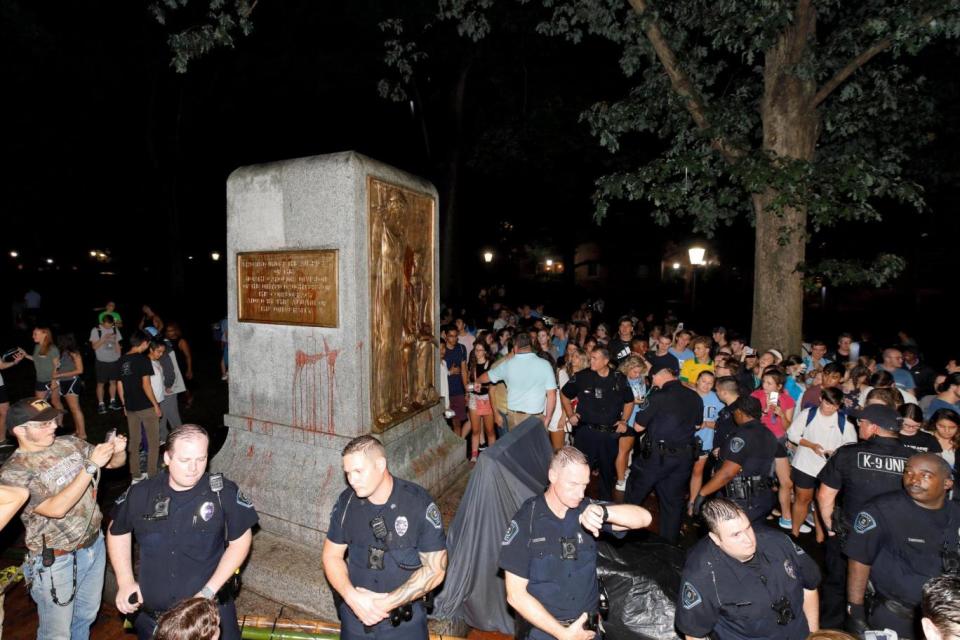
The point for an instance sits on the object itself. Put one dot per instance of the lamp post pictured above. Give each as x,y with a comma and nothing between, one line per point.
488,256
696,259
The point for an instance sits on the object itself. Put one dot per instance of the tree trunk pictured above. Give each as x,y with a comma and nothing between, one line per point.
791,126
450,262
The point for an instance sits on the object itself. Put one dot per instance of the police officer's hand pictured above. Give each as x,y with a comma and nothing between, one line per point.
592,519
856,622
367,606
124,591
621,427
576,631
102,453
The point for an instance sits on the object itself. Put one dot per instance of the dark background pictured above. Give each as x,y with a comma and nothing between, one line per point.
109,150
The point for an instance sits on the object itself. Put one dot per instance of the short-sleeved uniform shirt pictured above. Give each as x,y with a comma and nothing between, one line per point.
753,447
733,599
902,542
672,415
180,552
865,470
600,398
133,367
532,549
45,474
413,526
528,378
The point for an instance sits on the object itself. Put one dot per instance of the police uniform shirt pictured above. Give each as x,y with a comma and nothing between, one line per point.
600,398
753,447
733,599
413,526
180,552
532,549
902,542
865,470
672,415
724,428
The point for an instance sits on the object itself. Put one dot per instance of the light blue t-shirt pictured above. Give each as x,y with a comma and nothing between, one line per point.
712,405
686,354
936,405
528,378
639,389
903,379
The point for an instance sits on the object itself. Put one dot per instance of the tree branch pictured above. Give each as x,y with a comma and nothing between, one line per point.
682,85
851,67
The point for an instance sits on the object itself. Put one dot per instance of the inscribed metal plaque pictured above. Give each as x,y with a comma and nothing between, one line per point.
288,287
402,281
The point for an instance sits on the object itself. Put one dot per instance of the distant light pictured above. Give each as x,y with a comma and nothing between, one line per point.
14,254
101,255
189,257
213,256
49,260
107,273
696,256
549,262
676,266
93,254
488,256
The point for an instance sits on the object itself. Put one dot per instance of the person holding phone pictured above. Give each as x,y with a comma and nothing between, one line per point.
777,416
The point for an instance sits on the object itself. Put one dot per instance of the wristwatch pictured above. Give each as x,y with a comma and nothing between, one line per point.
91,467
207,592
606,514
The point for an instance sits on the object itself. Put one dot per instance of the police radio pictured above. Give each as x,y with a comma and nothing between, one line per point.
568,548
781,607
375,554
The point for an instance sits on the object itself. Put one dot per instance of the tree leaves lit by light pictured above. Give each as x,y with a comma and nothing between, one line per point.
210,24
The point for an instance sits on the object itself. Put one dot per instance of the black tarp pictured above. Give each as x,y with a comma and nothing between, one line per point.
641,573
507,473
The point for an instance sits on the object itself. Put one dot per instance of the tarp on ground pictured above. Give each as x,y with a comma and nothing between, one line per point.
506,474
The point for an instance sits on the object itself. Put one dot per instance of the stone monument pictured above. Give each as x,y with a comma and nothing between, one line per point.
333,309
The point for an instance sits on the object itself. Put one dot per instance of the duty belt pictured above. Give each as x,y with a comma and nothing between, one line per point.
895,607
604,428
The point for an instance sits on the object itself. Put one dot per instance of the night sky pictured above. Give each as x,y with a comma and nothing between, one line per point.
108,149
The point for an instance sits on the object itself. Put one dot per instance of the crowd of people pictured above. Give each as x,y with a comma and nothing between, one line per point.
852,442
822,482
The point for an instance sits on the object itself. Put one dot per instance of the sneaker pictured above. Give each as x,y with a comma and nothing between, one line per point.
102,409
809,519
788,525
114,405
621,485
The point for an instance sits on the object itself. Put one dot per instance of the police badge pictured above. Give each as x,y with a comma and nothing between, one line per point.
401,525
206,511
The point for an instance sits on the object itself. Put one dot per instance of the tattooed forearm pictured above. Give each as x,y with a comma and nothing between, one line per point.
422,582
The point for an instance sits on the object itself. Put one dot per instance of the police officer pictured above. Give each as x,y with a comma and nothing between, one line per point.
385,548
745,462
667,449
194,532
856,473
549,556
899,541
605,402
741,583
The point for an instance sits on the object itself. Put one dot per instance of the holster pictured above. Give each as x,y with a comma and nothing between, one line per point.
840,526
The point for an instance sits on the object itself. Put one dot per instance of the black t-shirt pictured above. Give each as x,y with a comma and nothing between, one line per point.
601,397
133,367
864,470
666,361
922,442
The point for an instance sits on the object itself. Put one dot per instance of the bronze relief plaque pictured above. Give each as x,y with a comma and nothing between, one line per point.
402,282
288,287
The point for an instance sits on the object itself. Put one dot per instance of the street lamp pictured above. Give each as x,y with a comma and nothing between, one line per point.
696,259
676,266
549,262
488,256
14,254
215,256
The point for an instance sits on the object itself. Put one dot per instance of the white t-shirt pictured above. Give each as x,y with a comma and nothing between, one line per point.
822,430
563,378
908,398
109,351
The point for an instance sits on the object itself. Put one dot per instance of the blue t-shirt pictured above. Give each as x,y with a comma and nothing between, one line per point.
712,405
903,379
936,405
681,356
455,357
639,389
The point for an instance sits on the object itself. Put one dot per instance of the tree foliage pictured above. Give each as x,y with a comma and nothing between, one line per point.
202,26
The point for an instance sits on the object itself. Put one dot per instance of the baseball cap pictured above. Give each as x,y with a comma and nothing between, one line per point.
30,410
880,415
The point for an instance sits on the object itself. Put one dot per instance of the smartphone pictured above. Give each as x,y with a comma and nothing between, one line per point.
679,326
110,435
9,355
774,397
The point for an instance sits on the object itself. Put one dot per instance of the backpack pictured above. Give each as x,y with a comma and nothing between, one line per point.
841,418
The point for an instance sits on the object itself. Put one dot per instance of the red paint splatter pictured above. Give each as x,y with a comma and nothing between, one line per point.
250,451
308,382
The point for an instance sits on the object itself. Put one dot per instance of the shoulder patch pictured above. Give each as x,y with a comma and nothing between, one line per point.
789,568
736,444
433,516
689,596
243,500
122,497
864,522
512,530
